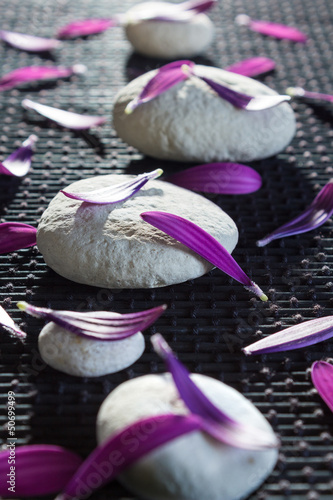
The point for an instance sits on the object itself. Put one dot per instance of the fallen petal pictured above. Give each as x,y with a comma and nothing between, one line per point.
39,470
37,73
244,101
66,119
254,66
7,322
223,178
322,378
178,12
320,210
162,429
166,77
116,192
86,27
28,42
15,236
297,336
272,29
299,92
217,423
100,325
201,242
19,162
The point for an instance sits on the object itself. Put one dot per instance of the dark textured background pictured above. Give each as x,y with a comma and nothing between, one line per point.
209,319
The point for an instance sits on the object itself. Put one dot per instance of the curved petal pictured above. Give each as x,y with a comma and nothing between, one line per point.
37,73
275,30
86,27
19,162
322,378
15,236
28,42
254,66
7,322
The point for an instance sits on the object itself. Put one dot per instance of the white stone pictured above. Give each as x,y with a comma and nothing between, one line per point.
169,40
110,246
190,122
85,357
194,466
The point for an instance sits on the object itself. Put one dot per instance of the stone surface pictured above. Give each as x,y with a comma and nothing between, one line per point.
193,467
110,246
190,122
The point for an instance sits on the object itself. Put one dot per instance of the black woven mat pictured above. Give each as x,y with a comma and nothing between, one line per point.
209,319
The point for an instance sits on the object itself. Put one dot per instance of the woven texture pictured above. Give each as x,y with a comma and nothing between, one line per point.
210,319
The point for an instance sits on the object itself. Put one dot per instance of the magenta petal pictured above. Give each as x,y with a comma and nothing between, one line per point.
223,178
39,470
98,325
201,242
197,5
37,73
296,336
16,235
320,210
254,66
322,378
7,322
216,422
64,118
86,27
28,42
103,464
272,29
19,162
166,77
117,192
299,92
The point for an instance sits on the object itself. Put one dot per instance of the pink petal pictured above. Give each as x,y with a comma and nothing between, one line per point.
19,162
16,235
157,430
223,178
322,378
272,29
87,27
29,42
299,92
254,66
39,469
37,73
166,77
7,322
64,118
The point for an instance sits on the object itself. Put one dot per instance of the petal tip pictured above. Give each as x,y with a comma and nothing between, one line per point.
22,305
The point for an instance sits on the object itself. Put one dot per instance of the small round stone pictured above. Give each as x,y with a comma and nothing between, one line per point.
190,122
85,357
165,39
194,466
110,246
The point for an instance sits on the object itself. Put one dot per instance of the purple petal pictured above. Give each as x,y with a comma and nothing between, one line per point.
166,77
297,336
272,29
66,119
217,423
254,66
299,92
320,210
15,236
19,162
99,325
322,378
87,27
178,12
197,5
223,178
29,42
103,464
244,101
39,469
37,73
7,322
115,193
201,242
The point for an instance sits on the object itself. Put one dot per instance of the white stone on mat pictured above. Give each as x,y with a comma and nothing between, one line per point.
190,122
194,466
110,246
